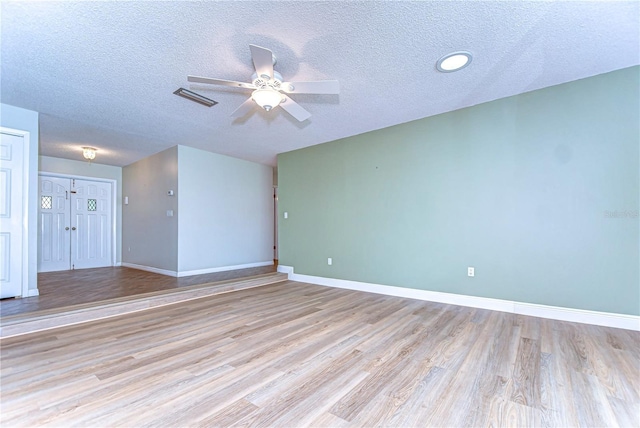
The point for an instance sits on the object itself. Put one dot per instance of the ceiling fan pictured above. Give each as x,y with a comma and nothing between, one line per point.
269,88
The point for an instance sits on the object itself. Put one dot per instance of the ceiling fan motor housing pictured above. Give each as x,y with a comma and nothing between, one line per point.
265,82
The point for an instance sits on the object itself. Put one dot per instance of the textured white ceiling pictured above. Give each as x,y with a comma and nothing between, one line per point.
103,73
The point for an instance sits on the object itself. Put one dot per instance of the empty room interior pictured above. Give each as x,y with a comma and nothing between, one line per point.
320,214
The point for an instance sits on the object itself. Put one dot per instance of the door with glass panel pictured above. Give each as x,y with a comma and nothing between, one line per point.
90,224
54,225
75,224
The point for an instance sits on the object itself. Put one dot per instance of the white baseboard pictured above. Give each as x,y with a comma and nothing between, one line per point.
151,269
285,269
607,319
195,272
33,292
117,264
223,268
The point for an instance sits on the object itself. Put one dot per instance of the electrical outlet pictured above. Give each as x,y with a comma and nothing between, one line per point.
471,271
329,261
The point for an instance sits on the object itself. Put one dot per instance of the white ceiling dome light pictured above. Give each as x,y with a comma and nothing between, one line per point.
454,61
89,153
267,98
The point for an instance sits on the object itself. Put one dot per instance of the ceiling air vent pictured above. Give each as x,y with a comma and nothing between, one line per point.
195,97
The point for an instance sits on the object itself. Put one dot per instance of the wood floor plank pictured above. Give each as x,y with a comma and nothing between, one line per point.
626,414
505,413
389,363
556,388
323,377
329,420
526,374
298,372
593,407
426,389
229,415
295,355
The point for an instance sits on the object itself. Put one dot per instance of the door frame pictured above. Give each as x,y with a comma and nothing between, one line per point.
26,140
114,198
276,246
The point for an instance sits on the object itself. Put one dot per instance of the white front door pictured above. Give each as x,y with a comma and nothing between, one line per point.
90,224
75,229
11,214
54,224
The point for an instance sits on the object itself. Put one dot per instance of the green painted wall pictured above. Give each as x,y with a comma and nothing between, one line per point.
539,192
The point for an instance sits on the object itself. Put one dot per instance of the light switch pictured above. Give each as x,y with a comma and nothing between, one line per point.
126,200
169,192
169,213
286,215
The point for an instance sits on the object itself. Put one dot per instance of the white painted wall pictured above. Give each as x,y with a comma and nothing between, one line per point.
95,170
226,211
146,229
27,120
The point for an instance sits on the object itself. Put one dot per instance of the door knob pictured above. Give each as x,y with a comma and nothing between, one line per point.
66,228
73,228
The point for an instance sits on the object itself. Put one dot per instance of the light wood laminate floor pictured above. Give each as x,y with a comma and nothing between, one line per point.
74,287
293,355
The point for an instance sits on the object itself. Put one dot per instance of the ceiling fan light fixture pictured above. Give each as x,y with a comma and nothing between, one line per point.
269,89
454,61
267,98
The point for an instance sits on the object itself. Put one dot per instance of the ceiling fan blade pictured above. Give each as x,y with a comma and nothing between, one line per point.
319,87
262,60
198,79
294,109
244,108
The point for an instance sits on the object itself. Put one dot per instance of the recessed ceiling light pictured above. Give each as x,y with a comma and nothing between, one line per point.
454,61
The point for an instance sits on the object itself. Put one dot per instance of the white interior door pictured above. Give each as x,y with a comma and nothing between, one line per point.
11,214
75,229
90,224
54,224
